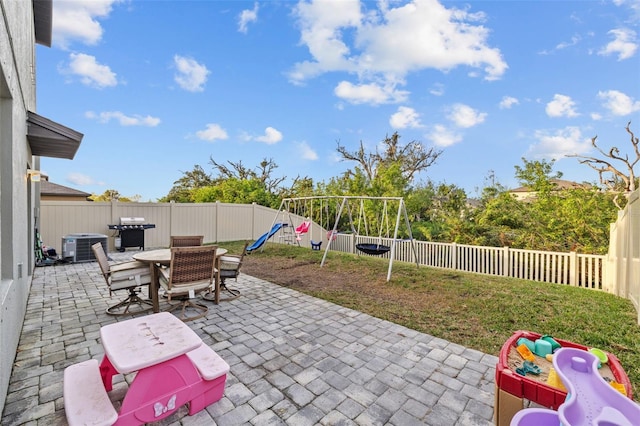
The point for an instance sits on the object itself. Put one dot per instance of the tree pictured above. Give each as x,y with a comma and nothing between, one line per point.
436,211
411,158
234,190
113,195
239,171
574,219
183,188
616,171
537,175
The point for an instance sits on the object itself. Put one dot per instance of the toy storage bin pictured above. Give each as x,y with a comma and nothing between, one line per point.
512,389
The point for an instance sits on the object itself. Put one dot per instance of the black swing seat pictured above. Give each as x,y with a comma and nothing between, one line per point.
373,249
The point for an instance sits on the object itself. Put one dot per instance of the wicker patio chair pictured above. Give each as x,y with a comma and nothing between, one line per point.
130,276
229,266
191,271
186,240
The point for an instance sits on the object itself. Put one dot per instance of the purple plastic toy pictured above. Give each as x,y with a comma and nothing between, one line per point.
591,401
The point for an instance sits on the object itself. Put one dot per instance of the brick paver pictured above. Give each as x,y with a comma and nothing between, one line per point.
295,360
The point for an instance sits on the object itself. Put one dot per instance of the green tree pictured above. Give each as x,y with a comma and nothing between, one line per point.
234,190
437,211
554,220
404,160
262,173
183,189
113,195
537,175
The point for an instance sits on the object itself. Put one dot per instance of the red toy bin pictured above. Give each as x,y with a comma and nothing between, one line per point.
536,391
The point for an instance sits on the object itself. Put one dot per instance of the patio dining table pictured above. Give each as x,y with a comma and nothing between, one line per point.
163,257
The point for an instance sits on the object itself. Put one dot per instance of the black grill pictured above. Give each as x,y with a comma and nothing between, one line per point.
131,232
127,227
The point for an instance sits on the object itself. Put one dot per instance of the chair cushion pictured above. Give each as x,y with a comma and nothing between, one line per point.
129,274
229,262
180,289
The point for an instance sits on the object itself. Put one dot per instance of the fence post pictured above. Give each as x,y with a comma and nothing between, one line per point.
216,211
573,268
253,220
172,215
454,256
506,267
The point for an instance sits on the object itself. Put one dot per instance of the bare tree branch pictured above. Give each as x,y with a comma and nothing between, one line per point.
412,157
610,173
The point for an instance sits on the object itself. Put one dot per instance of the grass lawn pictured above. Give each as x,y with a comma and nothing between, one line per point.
477,311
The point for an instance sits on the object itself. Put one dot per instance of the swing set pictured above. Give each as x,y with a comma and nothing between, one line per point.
370,229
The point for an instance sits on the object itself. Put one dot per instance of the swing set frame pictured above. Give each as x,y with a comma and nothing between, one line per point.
344,203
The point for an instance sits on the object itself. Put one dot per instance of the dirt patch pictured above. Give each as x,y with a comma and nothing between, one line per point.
300,274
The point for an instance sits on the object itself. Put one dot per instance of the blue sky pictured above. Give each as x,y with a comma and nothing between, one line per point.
158,87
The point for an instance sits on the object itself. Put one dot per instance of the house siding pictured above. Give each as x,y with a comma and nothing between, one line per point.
17,192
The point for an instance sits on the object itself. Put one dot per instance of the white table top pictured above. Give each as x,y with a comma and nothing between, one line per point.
138,343
163,255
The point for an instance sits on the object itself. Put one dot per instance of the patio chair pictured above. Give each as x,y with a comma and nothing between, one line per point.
130,276
229,266
191,271
186,240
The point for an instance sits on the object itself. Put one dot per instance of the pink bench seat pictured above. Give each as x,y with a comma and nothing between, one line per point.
213,370
86,401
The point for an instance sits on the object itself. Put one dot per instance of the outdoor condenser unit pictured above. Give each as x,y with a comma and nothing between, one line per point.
77,247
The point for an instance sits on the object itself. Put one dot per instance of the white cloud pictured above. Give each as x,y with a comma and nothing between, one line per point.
77,20
443,137
212,132
560,143
596,116
270,137
321,25
508,101
574,40
306,152
437,89
465,116
390,42
619,103
247,16
624,44
369,93
561,106
191,75
405,117
124,120
81,179
91,73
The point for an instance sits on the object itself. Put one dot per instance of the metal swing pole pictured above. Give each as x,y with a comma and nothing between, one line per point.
395,239
335,227
413,242
275,219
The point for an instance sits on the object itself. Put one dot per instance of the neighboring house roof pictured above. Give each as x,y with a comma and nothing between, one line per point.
51,189
525,193
560,184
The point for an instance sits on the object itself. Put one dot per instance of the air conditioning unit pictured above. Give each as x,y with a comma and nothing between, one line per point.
77,247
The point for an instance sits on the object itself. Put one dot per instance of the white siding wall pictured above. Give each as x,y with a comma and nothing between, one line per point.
17,95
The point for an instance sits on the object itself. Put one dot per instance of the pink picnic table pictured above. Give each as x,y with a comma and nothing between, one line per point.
156,347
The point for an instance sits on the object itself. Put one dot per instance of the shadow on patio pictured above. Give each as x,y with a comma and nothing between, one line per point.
294,359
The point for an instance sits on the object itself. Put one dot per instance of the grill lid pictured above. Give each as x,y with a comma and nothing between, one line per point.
131,220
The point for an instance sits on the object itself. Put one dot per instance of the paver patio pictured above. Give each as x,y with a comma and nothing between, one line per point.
295,359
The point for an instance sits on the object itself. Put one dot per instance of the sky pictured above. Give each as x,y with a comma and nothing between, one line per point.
158,87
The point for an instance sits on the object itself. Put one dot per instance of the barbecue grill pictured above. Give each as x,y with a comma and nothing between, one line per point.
131,232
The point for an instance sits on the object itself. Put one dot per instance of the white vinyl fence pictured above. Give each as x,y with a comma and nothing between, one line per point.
617,273
578,270
623,259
